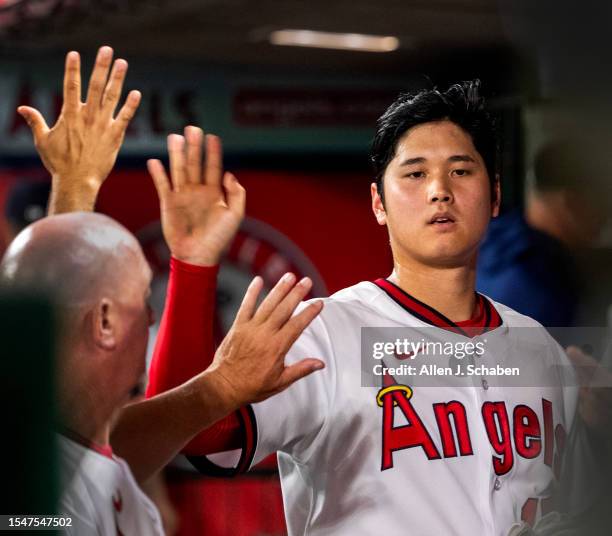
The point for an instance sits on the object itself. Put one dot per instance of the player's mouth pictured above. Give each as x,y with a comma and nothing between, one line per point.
442,221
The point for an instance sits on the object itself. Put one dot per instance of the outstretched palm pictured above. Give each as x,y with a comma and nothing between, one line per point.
201,209
81,148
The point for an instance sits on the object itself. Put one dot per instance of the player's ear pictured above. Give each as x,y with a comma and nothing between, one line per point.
104,324
495,196
377,205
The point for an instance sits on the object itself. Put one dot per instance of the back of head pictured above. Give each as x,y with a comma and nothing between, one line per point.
95,271
461,103
74,257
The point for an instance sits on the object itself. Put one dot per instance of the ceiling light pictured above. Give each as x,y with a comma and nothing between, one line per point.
339,41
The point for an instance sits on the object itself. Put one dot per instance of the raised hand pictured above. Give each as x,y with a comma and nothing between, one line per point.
250,362
80,150
201,207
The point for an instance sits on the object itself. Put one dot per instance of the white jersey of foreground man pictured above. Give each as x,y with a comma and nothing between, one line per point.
354,463
100,493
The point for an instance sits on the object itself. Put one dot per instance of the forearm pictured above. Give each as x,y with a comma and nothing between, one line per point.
184,345
70,195
149,434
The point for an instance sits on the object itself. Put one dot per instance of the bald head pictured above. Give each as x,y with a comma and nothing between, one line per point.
95,270
77,257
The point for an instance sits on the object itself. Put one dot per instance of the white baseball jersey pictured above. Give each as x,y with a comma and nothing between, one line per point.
400,460
100,494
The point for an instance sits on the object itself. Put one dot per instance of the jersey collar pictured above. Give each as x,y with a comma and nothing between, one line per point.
104,450
487,319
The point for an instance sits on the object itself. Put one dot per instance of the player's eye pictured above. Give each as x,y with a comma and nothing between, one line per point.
415,175
460,172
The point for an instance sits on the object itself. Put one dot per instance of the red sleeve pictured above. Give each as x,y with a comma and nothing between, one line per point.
185,347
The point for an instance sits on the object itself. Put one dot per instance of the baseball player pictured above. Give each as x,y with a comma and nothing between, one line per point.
396,458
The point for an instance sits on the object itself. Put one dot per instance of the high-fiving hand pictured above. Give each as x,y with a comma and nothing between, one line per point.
201,207
80,150
250,362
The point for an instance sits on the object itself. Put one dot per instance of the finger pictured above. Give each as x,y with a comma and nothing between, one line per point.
275,296
235,194
112,93
176,151
298,323
127,112
214,161
249,302
193,136
285,308
160,179
35,121
97,82
299,370
72,84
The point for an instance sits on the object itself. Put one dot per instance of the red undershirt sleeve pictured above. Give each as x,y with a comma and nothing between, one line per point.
185,347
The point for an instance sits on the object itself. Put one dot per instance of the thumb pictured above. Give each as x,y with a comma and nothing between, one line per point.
299,370
34,119
235,194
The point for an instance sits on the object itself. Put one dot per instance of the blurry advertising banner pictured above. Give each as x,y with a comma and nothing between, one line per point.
250,113
264,107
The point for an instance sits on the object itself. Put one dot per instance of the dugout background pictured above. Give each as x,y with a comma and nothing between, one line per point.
296,125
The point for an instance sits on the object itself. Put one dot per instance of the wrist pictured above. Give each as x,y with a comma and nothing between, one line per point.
185,266
215,391
70,193
86,183
205,261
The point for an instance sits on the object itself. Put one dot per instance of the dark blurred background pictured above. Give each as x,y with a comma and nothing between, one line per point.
296,122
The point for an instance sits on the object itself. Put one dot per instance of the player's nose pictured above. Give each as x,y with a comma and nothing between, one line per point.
439,191
440,197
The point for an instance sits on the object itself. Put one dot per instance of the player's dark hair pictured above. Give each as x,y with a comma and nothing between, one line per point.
461,103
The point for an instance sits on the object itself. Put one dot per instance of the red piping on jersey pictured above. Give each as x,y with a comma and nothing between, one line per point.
104,450
486,316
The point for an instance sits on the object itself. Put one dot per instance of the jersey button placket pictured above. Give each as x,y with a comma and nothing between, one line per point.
497,484
483,381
